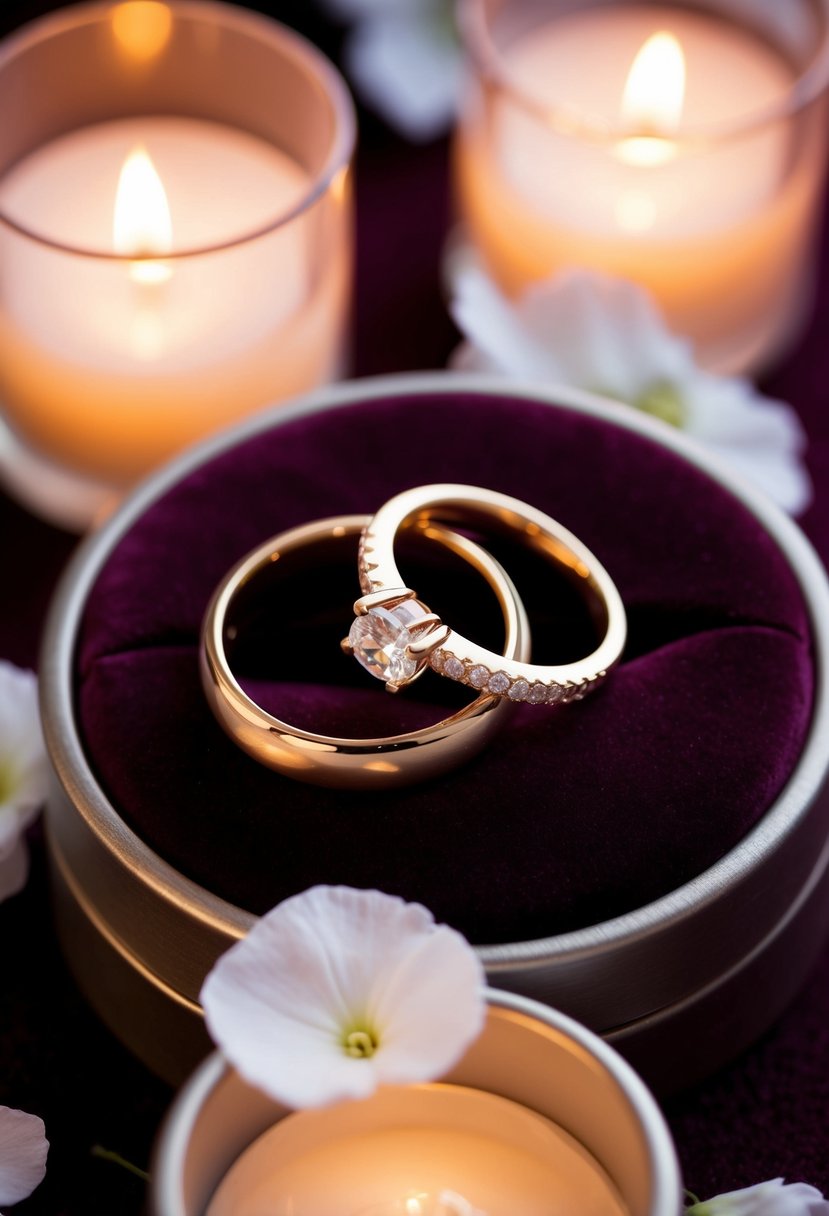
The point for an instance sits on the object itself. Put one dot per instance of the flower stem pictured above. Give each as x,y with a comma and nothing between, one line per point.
106,1154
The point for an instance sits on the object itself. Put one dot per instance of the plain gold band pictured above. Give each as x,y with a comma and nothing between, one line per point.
453,655
352,763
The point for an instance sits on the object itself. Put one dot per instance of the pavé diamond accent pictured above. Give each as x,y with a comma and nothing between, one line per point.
478,676
517,689
453,668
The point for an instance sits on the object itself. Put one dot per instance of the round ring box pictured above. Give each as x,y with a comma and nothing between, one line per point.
652,861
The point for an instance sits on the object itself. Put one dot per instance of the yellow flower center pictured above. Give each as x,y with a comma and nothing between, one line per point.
7,781
662,400
446,25
361,1044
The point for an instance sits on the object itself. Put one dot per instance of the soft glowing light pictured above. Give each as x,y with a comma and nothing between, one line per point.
142,28
141,226
635,211
652,101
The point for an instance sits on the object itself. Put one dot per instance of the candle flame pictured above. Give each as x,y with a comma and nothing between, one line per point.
652,101
142,227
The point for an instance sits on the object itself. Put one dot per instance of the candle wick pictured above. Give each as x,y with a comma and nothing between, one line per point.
149,271
649,128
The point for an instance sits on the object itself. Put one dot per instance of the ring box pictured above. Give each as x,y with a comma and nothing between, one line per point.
651,861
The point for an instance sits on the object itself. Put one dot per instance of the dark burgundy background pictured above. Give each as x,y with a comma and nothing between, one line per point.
766,1114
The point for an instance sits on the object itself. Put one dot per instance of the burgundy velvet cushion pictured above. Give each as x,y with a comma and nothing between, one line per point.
571,816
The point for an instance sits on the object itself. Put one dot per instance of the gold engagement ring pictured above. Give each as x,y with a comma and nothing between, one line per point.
396,636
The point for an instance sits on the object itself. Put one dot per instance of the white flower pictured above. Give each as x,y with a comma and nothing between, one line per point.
605,335
23,772
23,1149
774,1198
337,991
404,58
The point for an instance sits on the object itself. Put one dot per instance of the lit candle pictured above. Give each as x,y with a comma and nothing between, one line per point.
110,366
433,1150
175,235
539,1118
651,143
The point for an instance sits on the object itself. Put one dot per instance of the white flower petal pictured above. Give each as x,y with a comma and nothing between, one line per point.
773,1198
777,474
429,1007
18,702
762,439
21,737
355,10
9,830
330,961
579,328
23,771
497,338
730,410
606,332
605,335
23,1149
405,64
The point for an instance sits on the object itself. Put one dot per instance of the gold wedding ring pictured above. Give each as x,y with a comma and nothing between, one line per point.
350,763
448,652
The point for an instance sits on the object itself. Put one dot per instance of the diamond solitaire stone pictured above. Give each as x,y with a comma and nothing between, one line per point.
379,640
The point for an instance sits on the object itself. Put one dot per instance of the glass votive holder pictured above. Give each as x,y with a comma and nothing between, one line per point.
175,237
679,145
540,1115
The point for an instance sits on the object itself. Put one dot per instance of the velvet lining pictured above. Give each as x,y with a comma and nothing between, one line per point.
571,816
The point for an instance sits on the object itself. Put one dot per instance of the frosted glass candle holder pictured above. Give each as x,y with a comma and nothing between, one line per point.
680,145
175,237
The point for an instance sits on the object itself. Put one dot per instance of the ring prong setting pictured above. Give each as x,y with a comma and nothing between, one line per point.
389,597
387,633
422,647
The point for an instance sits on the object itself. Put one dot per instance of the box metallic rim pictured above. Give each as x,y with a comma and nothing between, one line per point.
609,974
